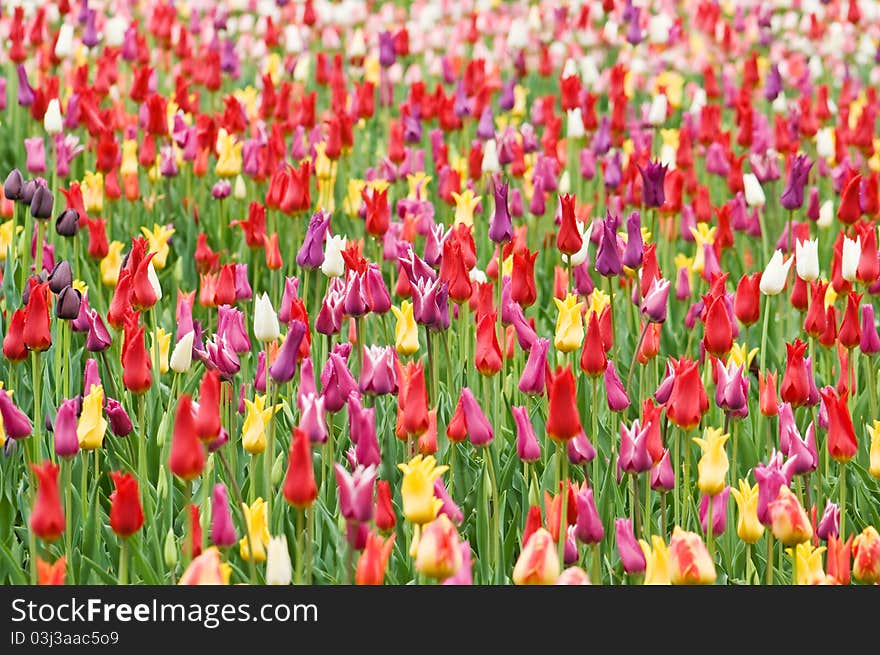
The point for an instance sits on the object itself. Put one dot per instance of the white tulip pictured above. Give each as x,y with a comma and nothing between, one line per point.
657,112
852,253
825,143
518,35
181,356
658,28
357,46
574,124
64,44
780,103
589,72
333,264
52,119
153,279
265,320
239,190
807,259
580,256
570,68
478,276
564,184
698,102
490,157
773,278
302,67
114,31
293,41
754,192
826,214
278,569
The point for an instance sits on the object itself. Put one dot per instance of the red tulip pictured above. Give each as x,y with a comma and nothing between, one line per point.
13,342
814,321
378,213
767,393
850,333
593,359
487,358
454,272
384,514
687,401
412,401
568,239
849,210
208,417
522,280
718,331
47,517
299,483
795,387
187,458
143,295
842,442
563,418
36,332
126,515
120,303
136,364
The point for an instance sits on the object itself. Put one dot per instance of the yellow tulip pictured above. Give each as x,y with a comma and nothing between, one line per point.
418,184
656,560
739,355
91,426
325,195
158,239
569,324
519,101
163,338
129,165
372,70
703,235
874,432
598,300
748,527
352,201
272,67
325,169
808,563
111,264
465,204
419,504
6,237
538,563
256,517
713,465
80,286
92,187
256,420
406,333
229,160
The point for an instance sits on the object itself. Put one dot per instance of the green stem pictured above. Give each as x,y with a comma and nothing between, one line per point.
842,477
769,570
123,562
563,478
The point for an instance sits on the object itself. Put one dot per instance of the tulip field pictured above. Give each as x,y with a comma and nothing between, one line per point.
439,292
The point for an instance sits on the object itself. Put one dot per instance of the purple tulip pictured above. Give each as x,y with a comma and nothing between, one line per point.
431,303
329,320
117,418
379,300
580,450
870,341
732,390
479,429
387,53
793,195
719,512
588,528
772,83
260,374
608,262
336,383
534,375
222,357
527,447
449,507
66,441
222,528
634,457
631,555
306,380
634,250
362,432
656,301
501,227
243,289
378,373
355,302
770,479
312,421
614,391
311,253
803,452
829,525
653,179
662,475
231,326
26,95
356,492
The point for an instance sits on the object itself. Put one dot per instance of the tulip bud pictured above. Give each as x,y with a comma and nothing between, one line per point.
807,259
169,552
67,223
52,122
